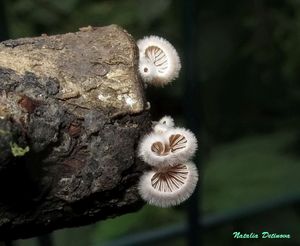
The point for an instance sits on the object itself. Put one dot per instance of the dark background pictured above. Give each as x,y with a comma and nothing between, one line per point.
239,90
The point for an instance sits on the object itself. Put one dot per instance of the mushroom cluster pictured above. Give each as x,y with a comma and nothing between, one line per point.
168,150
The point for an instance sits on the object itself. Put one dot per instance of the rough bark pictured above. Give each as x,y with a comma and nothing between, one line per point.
72,110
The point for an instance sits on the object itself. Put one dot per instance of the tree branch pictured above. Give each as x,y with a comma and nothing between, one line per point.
72,110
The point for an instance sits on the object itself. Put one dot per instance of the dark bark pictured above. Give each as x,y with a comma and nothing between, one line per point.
72,111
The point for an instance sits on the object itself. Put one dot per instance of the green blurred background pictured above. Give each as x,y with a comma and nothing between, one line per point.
248,76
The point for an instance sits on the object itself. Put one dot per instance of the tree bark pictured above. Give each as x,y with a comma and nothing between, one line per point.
72,110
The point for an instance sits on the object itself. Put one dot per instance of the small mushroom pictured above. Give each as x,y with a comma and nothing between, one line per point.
164,124
159,62
168,148
169,186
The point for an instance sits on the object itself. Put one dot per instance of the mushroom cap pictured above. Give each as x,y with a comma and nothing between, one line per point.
169,147
169,186
163,56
